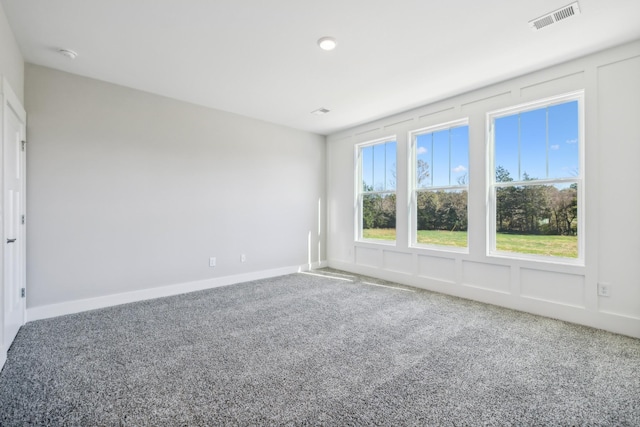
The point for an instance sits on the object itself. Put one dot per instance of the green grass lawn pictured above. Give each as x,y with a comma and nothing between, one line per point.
379,233
560,246
445,238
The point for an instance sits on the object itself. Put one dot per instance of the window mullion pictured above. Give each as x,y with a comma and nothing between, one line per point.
384,183
431,165
519,148
547,142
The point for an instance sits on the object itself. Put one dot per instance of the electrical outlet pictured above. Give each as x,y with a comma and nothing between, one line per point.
243,258
604,289
212,262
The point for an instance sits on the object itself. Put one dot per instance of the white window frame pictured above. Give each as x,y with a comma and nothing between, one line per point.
359,193
414,190
492,185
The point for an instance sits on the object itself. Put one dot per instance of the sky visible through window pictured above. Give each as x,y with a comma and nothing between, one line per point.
445,156
539,144
379,167
536,144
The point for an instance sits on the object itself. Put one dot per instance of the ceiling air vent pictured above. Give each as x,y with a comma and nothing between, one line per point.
555,16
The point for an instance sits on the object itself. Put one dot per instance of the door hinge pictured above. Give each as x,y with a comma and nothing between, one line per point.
23,292
24,144
22,220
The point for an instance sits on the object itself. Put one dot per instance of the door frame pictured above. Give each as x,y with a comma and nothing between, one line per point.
10,101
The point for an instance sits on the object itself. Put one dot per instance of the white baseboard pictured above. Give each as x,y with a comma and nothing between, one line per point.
612,322
77,306
3,356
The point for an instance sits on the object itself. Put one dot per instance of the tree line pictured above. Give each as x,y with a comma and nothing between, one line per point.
379,211
520,209
437,210
535,209
442,210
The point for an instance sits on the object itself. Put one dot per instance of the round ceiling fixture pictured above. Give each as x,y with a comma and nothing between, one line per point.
68,53
327,43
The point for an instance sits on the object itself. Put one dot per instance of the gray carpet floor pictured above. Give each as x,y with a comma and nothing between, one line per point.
309,349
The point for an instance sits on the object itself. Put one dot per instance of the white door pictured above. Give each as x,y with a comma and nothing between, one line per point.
13,211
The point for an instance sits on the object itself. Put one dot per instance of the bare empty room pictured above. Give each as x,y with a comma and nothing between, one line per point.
320,213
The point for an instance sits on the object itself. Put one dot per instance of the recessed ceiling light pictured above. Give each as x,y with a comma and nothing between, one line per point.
327,43
320,111
68,53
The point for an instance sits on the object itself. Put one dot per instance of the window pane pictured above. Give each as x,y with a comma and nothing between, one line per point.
440,163
367,168
538,219
506,148
379,216
390,167
379,167
442,217
442,157
533,144
423,160
563,140
538,144
460,155
378,201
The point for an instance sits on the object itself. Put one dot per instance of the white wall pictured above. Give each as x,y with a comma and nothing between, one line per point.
11,62
129,191
612,107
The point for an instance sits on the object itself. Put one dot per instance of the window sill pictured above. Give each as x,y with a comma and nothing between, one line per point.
540,259
375,243
440,249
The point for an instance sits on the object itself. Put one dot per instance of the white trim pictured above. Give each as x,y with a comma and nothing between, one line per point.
413,190
77,306
492,185
359,193
384,140
539,103
12,100
442,126
3,356
3,350
11,103
608,321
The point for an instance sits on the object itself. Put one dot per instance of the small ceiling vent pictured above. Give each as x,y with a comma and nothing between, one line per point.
320,111
555,16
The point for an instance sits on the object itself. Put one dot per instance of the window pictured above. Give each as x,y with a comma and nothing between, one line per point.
440,178
377,190
536,183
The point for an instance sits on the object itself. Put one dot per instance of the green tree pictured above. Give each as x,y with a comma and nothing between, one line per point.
506,200
422,172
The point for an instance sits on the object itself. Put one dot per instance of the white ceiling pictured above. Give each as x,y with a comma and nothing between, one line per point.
260,59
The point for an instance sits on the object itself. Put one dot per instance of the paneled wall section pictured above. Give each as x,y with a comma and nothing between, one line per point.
612,234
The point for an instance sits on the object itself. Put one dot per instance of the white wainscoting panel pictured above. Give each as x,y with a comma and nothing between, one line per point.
437,268
560,288
369,257
400,262
486,276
